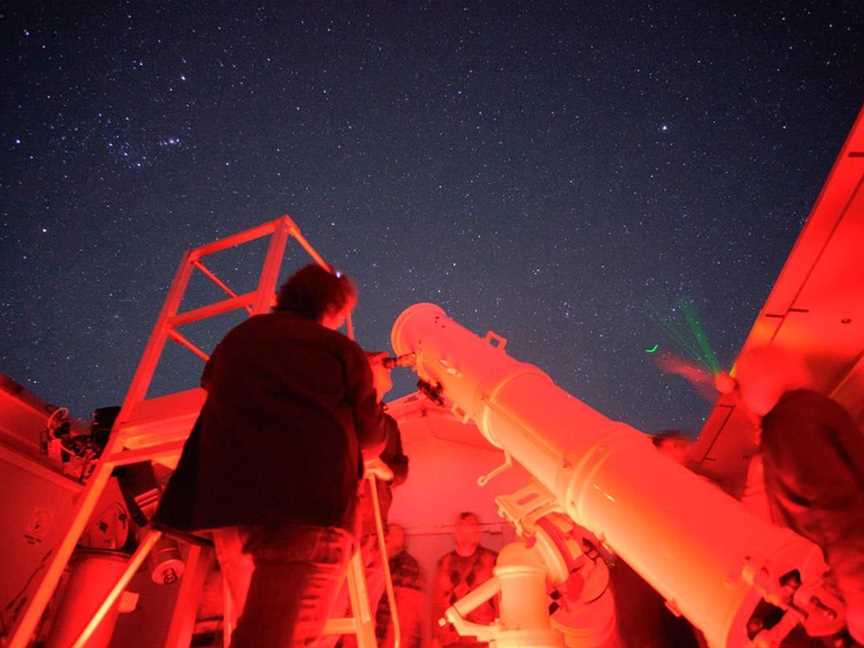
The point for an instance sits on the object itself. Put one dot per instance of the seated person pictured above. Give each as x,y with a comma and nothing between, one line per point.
408,586
459,572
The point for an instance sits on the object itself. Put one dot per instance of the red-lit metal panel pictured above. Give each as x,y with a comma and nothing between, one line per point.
815,308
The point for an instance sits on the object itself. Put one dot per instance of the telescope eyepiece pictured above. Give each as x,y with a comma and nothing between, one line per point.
406,360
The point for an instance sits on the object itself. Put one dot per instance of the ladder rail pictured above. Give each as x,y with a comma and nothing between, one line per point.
135,561
280,230
385,559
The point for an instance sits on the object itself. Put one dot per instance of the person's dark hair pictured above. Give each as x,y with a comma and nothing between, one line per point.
661,437
468,515
313,292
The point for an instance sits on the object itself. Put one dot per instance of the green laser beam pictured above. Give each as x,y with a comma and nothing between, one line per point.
698,331
677,333
685,331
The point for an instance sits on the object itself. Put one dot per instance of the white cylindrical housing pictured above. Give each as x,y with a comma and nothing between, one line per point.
697,546
522,574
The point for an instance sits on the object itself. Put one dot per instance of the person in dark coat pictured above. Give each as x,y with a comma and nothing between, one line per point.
813,462
276,456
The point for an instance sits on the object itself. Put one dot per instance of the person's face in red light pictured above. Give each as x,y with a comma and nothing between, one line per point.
467,535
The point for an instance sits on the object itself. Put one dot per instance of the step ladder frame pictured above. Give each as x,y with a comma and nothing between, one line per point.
116,452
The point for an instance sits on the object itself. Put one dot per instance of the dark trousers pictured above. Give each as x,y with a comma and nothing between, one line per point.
298,571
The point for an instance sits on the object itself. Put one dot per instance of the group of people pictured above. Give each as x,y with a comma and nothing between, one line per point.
457,572
274,468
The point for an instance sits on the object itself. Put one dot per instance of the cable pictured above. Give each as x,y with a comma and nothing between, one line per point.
14,603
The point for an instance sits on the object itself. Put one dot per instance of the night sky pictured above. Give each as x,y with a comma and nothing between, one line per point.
564,174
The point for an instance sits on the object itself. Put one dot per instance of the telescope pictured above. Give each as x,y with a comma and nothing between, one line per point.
598,487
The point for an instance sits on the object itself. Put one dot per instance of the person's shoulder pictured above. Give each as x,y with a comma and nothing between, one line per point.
250,327
274,321
446,559
411,559
254,321
351,353
335,339
407,559
409,570
802,396
346,343
311,329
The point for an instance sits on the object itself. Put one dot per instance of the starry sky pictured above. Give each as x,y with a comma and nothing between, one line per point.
566,174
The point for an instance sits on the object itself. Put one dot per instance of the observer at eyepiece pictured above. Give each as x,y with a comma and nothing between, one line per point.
291,411
273,463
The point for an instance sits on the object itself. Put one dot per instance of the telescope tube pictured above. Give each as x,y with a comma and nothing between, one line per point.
698,547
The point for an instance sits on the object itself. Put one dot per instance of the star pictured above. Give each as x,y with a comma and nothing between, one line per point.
563,212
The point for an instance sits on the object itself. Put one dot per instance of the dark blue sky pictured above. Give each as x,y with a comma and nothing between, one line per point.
553,171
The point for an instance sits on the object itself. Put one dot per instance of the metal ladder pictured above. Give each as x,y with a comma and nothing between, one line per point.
362,621
156,428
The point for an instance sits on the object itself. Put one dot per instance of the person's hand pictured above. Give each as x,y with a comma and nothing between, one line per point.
379,469
380,375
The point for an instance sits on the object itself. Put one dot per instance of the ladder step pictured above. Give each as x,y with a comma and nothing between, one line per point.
212,310
340,626
163,419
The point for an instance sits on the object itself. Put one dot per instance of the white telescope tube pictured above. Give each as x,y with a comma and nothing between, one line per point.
697,546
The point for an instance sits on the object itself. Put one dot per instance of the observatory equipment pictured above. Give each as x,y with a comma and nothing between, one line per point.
740,580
